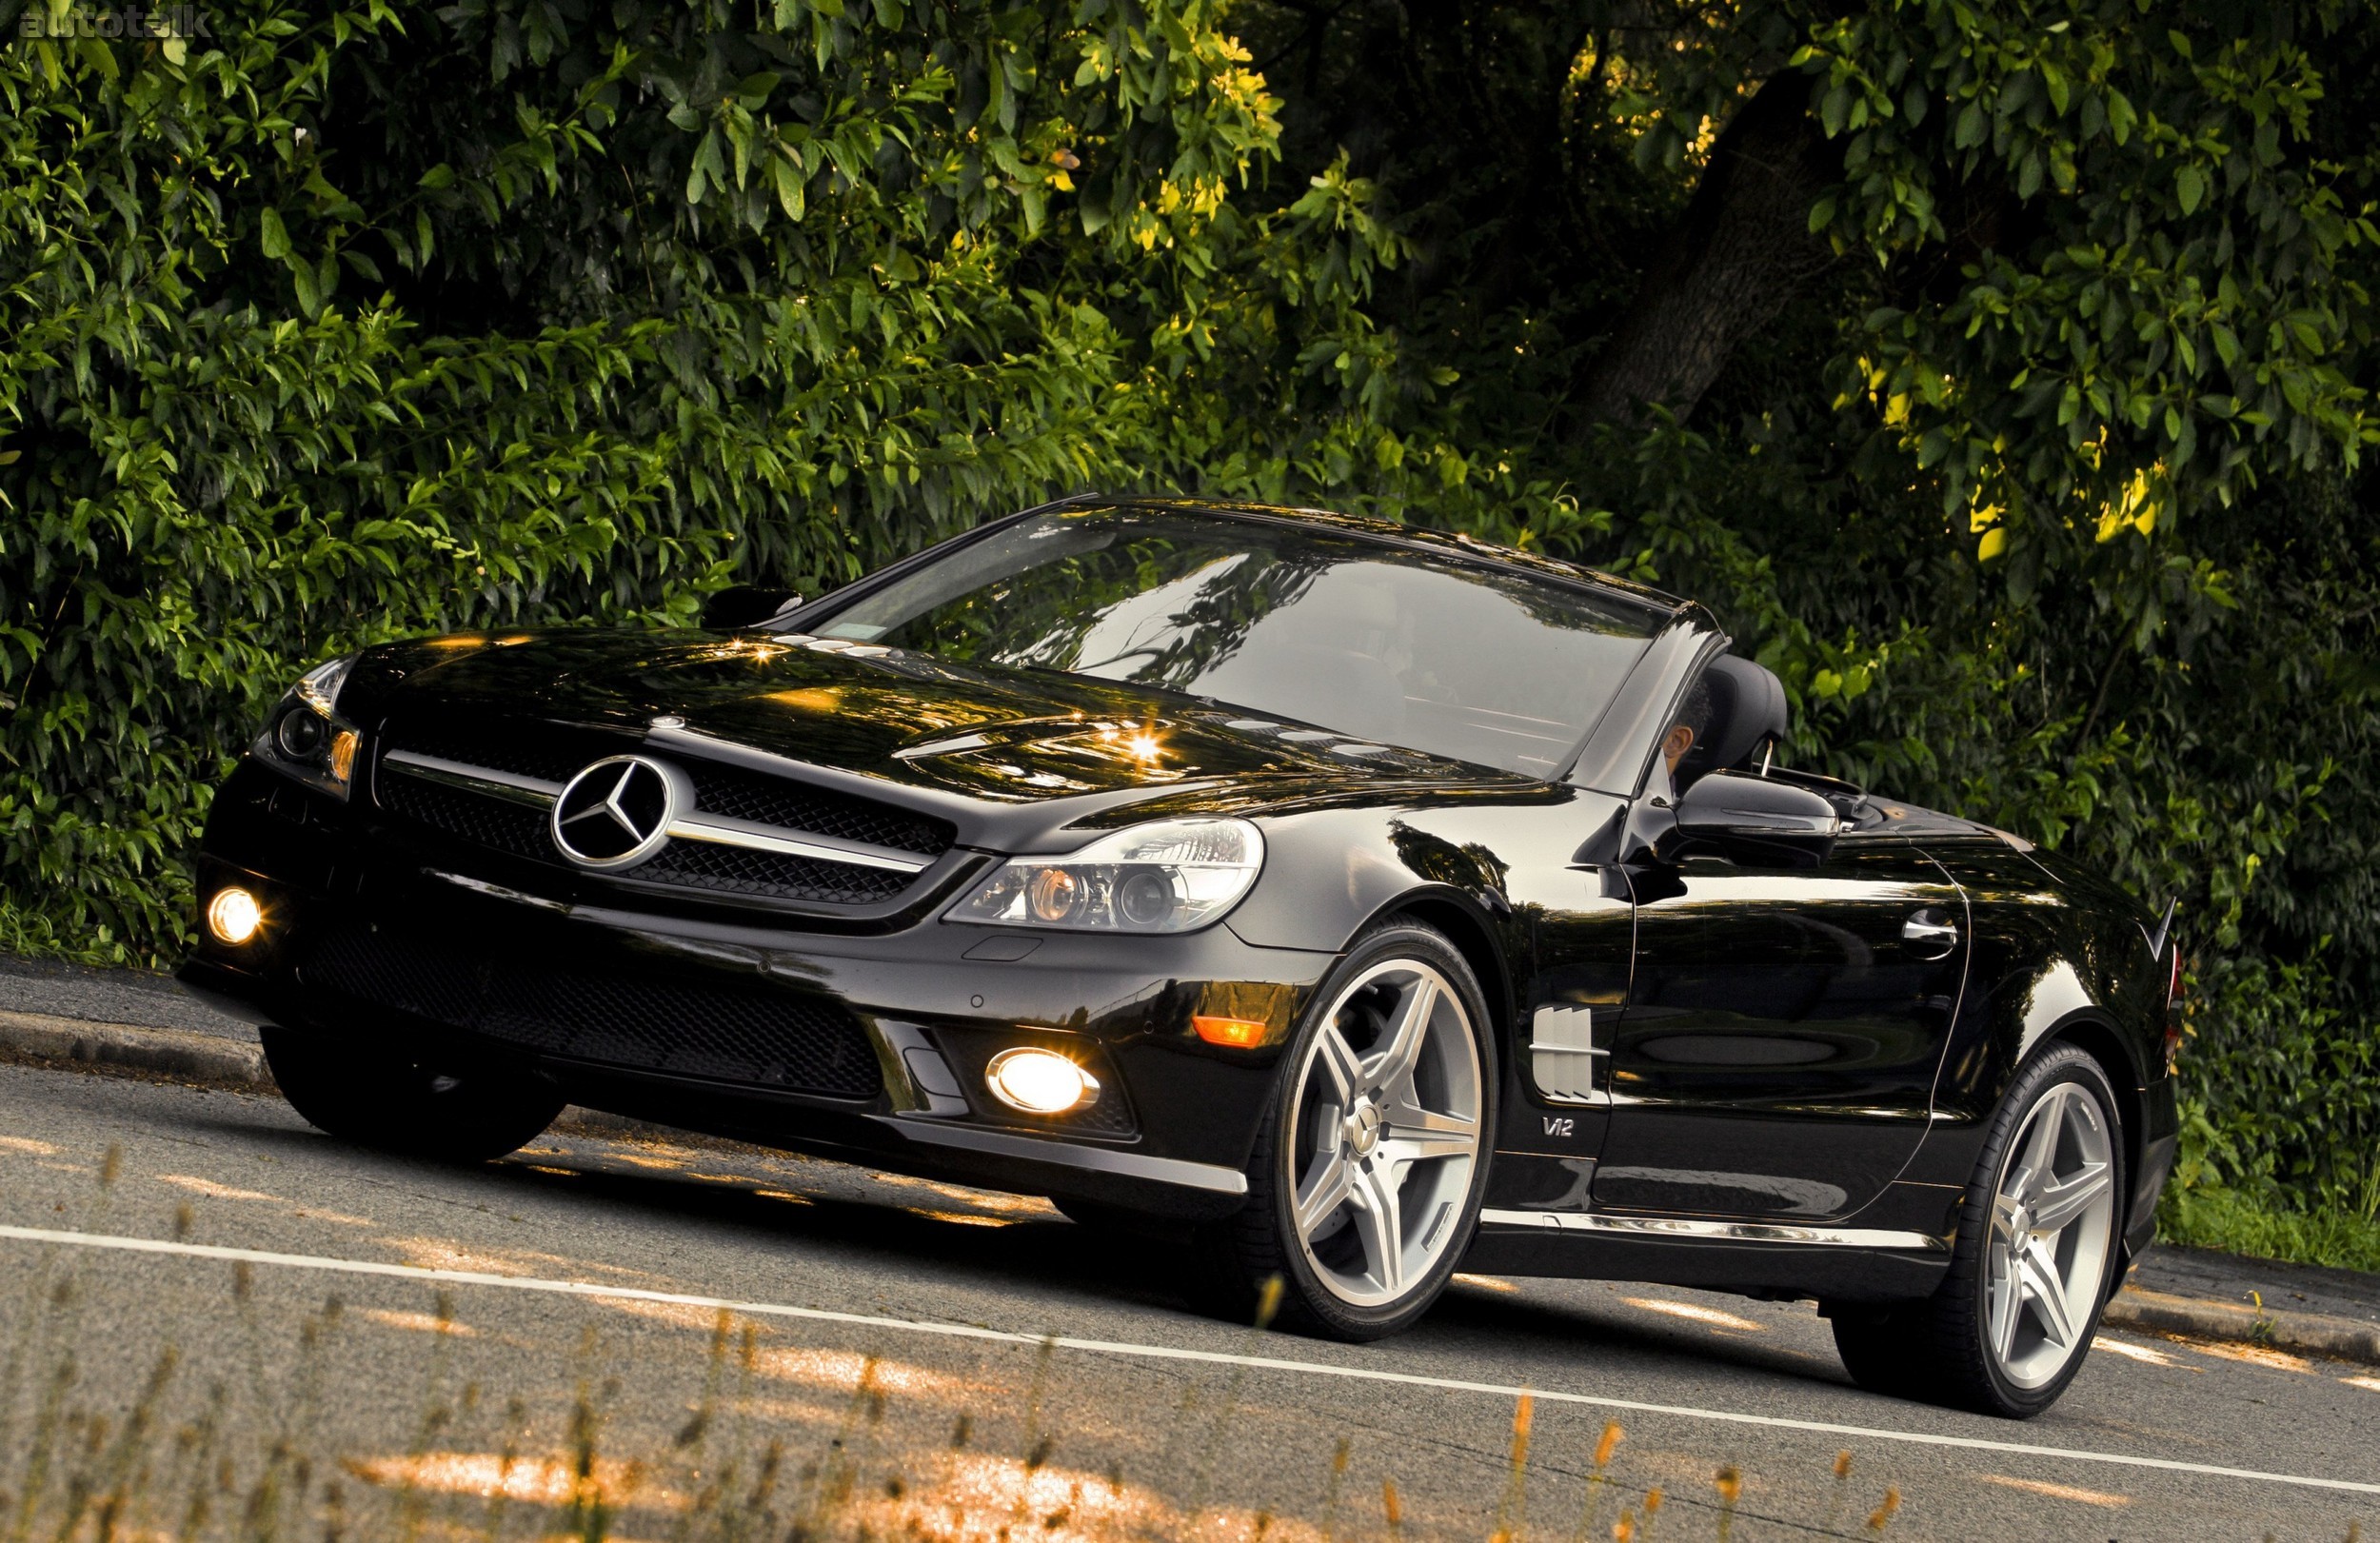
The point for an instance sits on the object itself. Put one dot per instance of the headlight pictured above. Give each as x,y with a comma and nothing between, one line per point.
307,739
1166,876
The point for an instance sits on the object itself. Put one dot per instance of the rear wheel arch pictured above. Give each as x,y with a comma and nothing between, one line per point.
2097,1038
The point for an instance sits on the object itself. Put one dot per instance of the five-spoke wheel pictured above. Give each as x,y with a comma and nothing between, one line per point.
2030,1265
2047,1259
1387,1136
1365,1187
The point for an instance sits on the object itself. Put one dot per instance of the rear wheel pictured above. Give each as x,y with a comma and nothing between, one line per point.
1364,1187
2013,1320
464,1115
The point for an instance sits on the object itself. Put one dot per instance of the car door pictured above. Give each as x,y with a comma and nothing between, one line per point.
1777,1056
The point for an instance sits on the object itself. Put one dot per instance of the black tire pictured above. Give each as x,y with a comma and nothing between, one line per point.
1940,1350
466,1115
1238,1258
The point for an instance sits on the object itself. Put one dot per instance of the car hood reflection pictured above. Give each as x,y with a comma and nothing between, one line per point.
991,732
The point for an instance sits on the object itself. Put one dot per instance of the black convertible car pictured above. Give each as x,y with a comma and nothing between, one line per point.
1360,903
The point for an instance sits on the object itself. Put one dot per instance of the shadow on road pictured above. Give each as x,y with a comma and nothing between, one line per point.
988,1240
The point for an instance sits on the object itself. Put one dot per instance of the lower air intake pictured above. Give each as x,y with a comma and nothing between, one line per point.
767,1039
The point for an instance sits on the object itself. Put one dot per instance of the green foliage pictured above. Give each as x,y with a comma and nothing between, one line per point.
2237,1223
2178,321
362,324
2286,1135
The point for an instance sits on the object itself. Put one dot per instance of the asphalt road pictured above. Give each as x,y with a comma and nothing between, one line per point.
238,1327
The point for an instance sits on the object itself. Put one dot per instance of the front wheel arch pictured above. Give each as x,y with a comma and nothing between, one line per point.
1465,925
1237,1256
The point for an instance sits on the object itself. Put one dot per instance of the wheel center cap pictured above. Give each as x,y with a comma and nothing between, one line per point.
1363,1127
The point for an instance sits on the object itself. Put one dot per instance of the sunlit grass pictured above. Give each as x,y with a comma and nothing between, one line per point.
2238,1223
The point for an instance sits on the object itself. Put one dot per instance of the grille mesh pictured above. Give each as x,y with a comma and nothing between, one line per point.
746,1035
773,800
742,870
485,821
1108,1116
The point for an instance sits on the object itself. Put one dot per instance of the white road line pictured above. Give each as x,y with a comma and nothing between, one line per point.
1129,1350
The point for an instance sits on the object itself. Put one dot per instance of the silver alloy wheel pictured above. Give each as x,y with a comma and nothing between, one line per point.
1386,1138
2051,1225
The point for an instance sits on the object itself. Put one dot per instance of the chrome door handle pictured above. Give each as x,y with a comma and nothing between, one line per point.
1927,936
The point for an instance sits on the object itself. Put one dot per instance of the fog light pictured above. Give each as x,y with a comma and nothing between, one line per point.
1040,1081
234,915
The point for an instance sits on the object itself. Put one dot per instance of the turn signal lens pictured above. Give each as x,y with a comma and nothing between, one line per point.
235,915
1040,1081
1051,895
1236,1032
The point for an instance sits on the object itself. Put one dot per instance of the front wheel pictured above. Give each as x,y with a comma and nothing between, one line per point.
470,1115
1364,1187
2010,1325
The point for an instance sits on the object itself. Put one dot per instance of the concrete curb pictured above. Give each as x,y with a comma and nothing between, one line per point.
176,1053
2307,1333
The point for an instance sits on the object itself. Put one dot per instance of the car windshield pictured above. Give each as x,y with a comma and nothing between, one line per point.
1402,648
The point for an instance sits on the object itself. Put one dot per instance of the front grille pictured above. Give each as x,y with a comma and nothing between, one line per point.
484,822
555,753
743,870
735,1034
739,794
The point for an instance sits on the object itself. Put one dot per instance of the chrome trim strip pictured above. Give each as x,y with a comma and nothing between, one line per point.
943,747
1197,1175
1723,1231
722,831
529,790
959,808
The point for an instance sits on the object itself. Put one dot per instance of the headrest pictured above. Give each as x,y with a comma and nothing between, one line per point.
1747,711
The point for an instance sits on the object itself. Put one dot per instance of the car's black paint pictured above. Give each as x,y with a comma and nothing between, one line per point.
1793,1102
1779,1050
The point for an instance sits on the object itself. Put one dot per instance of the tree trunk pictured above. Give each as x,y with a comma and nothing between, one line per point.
1740,251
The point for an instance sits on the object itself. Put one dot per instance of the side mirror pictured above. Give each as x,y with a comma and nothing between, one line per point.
741,605
1753,819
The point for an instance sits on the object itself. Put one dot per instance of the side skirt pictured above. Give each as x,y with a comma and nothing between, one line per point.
1759,1259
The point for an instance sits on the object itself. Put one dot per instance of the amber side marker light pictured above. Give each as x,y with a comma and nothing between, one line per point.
235,915
1238,1033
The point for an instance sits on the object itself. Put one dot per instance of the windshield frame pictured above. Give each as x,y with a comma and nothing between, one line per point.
1662,613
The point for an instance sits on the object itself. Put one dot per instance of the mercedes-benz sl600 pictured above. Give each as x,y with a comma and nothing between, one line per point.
1357,902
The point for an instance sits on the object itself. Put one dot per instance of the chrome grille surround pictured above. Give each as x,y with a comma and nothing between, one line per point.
812,844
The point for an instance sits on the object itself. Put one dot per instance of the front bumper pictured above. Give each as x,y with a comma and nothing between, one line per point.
864,1046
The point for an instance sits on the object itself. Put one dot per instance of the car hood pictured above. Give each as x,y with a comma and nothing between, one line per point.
943,729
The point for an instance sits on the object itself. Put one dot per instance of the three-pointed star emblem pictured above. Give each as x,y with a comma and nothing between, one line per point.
617,811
